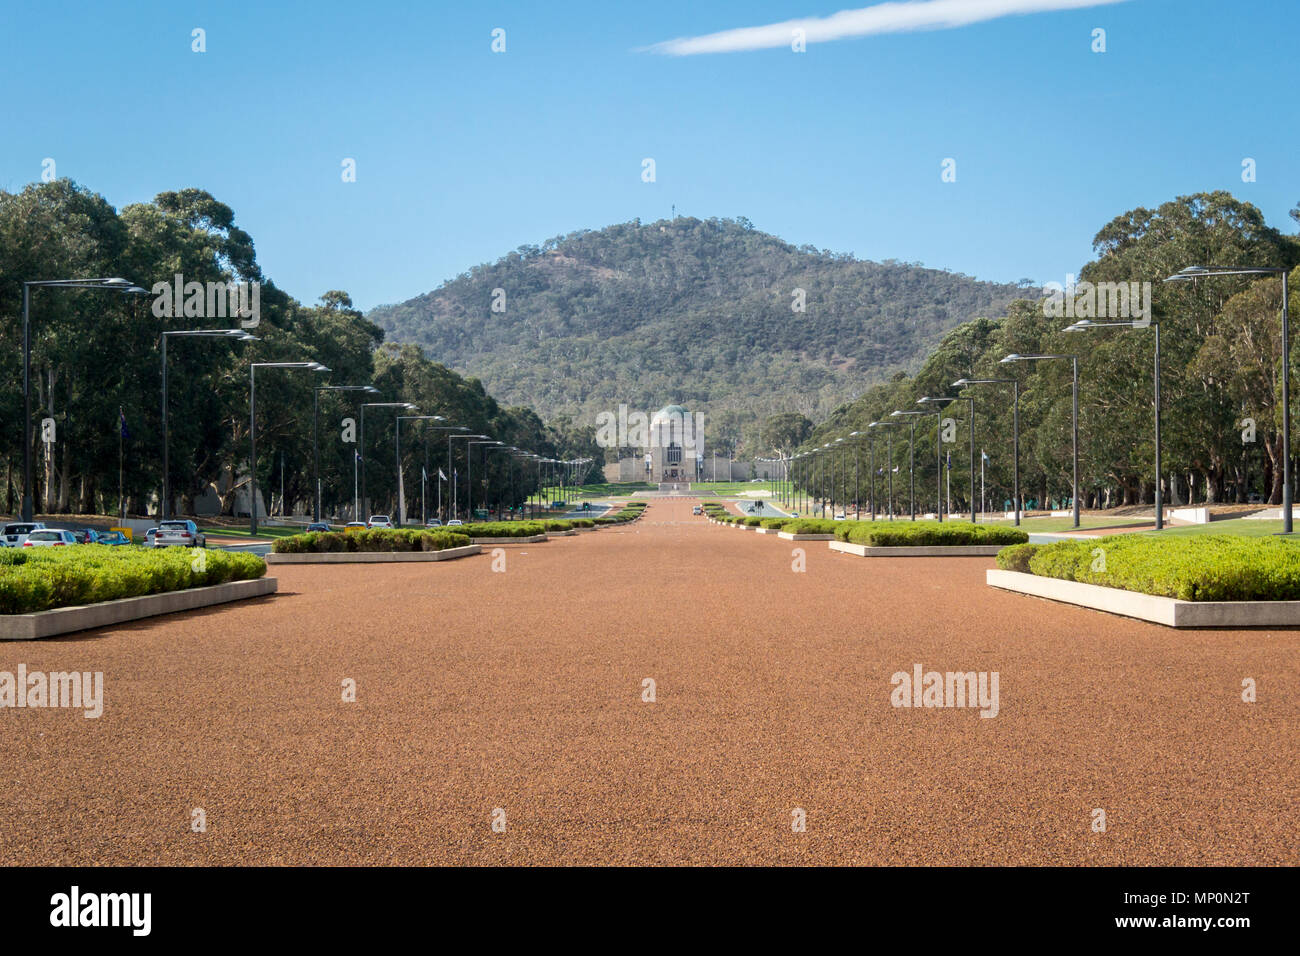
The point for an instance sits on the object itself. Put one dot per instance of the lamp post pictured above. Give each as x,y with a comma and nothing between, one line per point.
469,473
441,428
315,433
110,284
1074,414
1015,433
509,450
1082,326
238,335
938,456
452,477
397,446
252,428
943,400
1204,272
889,451
361,445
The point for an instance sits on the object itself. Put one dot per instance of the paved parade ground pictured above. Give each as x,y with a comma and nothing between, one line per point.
517,695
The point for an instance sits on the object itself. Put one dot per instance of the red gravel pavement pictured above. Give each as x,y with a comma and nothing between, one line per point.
522,691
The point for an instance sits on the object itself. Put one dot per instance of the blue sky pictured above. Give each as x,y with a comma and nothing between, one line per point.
463,155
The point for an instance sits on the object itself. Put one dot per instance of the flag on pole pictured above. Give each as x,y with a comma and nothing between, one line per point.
441,476
424,474
121,420
984,456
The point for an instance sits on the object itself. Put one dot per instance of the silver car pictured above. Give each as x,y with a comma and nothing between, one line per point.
184,533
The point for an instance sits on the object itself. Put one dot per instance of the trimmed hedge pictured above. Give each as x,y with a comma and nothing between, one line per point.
926,534
41,579
1194,568
371,539
811,526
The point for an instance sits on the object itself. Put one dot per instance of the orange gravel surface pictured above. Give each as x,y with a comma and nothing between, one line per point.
521,691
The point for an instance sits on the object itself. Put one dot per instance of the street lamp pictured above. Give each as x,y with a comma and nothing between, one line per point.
397,445
889,451
857,473
315,443
938,457
1203,272
1082,326
1015,433
943,400
455,484
509,450
112,285
361,449
1074,414
252,427
469,471
237,335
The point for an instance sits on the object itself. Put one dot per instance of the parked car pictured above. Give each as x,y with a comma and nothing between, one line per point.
86,536
697,510
49,538
352,526
433,523
454,523
113,539
149,536
15,533
185,533
838,516
379,521
317,526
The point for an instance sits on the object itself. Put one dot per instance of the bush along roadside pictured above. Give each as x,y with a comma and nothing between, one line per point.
371,539
1194,568
42,579
926,534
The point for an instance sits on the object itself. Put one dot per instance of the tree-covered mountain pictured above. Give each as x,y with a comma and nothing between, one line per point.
705,313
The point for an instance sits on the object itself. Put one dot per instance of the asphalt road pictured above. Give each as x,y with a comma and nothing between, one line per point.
521,691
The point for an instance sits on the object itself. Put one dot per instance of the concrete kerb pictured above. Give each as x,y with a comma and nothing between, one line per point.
65,620
1149,607
918,551
374,557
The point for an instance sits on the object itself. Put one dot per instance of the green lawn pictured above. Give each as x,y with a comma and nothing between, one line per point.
1240,526
263,531
1086,522
604,489
733,487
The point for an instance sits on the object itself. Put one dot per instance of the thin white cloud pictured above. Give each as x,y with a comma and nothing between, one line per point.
897,17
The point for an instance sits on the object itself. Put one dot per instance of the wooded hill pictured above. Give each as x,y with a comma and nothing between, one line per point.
690,311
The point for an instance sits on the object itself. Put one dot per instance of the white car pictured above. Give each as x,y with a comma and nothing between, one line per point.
184,533
49,538
433,523
379,521
15,533
454,523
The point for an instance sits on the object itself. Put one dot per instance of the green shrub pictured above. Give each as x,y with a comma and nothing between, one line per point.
811,526
371,539
889,534
1016,557
1192,568
46,578
777,524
